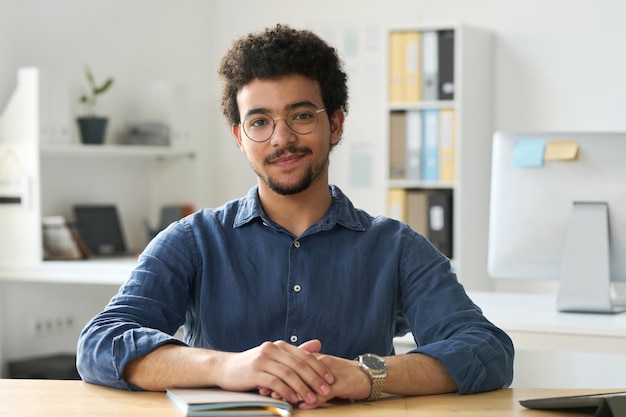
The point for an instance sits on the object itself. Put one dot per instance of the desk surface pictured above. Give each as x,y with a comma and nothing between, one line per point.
20,398
533,322
538,313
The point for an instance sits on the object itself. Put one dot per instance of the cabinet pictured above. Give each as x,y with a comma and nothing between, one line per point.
462,56
45,173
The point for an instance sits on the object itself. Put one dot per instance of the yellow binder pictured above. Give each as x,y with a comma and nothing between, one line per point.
413,62
447,145
397,203
397,66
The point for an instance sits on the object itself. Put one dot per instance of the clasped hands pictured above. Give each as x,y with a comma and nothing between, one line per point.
298,374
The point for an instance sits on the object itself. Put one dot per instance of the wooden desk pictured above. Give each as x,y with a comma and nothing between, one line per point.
21,398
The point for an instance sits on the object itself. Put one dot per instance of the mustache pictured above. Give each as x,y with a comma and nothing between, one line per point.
292,149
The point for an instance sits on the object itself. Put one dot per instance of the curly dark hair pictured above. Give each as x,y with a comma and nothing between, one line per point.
278,51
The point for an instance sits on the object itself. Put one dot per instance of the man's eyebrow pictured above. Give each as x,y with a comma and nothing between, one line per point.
304,103
288,107
256,111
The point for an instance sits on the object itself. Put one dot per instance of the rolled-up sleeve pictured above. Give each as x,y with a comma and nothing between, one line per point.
478,359
145,314
448,326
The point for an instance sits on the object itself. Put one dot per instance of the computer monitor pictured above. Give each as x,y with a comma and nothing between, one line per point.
558,212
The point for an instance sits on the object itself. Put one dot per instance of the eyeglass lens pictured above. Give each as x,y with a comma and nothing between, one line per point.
259,127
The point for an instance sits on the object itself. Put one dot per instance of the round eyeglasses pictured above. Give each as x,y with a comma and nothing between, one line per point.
259,127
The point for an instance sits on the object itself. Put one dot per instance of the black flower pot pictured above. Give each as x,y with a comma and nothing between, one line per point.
92,129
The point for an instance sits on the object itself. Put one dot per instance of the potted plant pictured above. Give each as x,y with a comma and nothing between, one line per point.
93,127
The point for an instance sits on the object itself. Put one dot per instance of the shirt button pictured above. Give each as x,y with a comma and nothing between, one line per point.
296,244
297,288
293,338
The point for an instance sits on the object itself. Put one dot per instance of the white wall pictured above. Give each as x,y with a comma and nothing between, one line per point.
558,66
138,43
39,319
557,63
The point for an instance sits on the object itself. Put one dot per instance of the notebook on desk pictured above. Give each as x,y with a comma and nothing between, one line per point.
611,404
100,229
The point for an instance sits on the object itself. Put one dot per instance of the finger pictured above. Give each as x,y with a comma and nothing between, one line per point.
305,352
321,399
272,373
269,393
291,372
314,347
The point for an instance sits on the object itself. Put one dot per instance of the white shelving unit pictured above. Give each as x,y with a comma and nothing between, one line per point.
54,173
473,78
115,151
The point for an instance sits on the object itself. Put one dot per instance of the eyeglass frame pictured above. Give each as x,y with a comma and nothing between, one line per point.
274,120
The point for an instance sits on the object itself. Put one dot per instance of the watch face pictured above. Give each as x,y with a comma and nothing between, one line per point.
373,362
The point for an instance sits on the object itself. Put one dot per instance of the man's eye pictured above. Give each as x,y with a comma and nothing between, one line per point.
302,116
258,123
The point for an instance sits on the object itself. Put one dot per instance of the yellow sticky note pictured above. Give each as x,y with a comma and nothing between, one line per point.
565,150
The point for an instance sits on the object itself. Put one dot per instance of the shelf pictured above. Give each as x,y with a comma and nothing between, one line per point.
113,271
133,151
59,173
468,131
419,184
422,105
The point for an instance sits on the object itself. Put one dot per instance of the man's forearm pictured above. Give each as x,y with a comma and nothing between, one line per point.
173,366
409,374
293,373
417,374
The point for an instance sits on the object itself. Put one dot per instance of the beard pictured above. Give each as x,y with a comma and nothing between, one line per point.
312,173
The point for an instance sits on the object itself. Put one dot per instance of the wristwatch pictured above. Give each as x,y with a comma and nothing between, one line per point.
376,368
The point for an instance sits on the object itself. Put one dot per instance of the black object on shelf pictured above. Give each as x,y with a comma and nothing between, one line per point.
58,366
92,129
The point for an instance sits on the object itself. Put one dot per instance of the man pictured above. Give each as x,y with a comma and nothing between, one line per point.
283,289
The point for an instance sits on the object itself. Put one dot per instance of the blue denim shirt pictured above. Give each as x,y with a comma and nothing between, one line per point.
235,279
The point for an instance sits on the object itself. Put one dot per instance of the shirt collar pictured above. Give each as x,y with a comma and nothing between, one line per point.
341,211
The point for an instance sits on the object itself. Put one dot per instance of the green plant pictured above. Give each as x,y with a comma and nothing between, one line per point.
89,99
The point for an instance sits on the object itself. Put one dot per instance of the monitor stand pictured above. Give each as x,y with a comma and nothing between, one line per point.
585,281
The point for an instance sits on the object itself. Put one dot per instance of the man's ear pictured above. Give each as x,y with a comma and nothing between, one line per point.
336,126
236,131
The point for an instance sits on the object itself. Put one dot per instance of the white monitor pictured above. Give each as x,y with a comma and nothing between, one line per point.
558,212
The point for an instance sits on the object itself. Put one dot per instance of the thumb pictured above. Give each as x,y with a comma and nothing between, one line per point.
313,346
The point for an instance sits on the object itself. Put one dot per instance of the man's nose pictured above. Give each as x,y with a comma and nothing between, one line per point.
282,131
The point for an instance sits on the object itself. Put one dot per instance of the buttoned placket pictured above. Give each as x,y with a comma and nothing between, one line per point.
296,288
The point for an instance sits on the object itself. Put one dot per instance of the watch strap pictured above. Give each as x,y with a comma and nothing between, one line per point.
378,382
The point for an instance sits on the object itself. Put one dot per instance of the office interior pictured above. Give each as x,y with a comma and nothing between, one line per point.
556,66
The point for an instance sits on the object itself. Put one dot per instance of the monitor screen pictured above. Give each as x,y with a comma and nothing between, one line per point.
558,211
100,229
